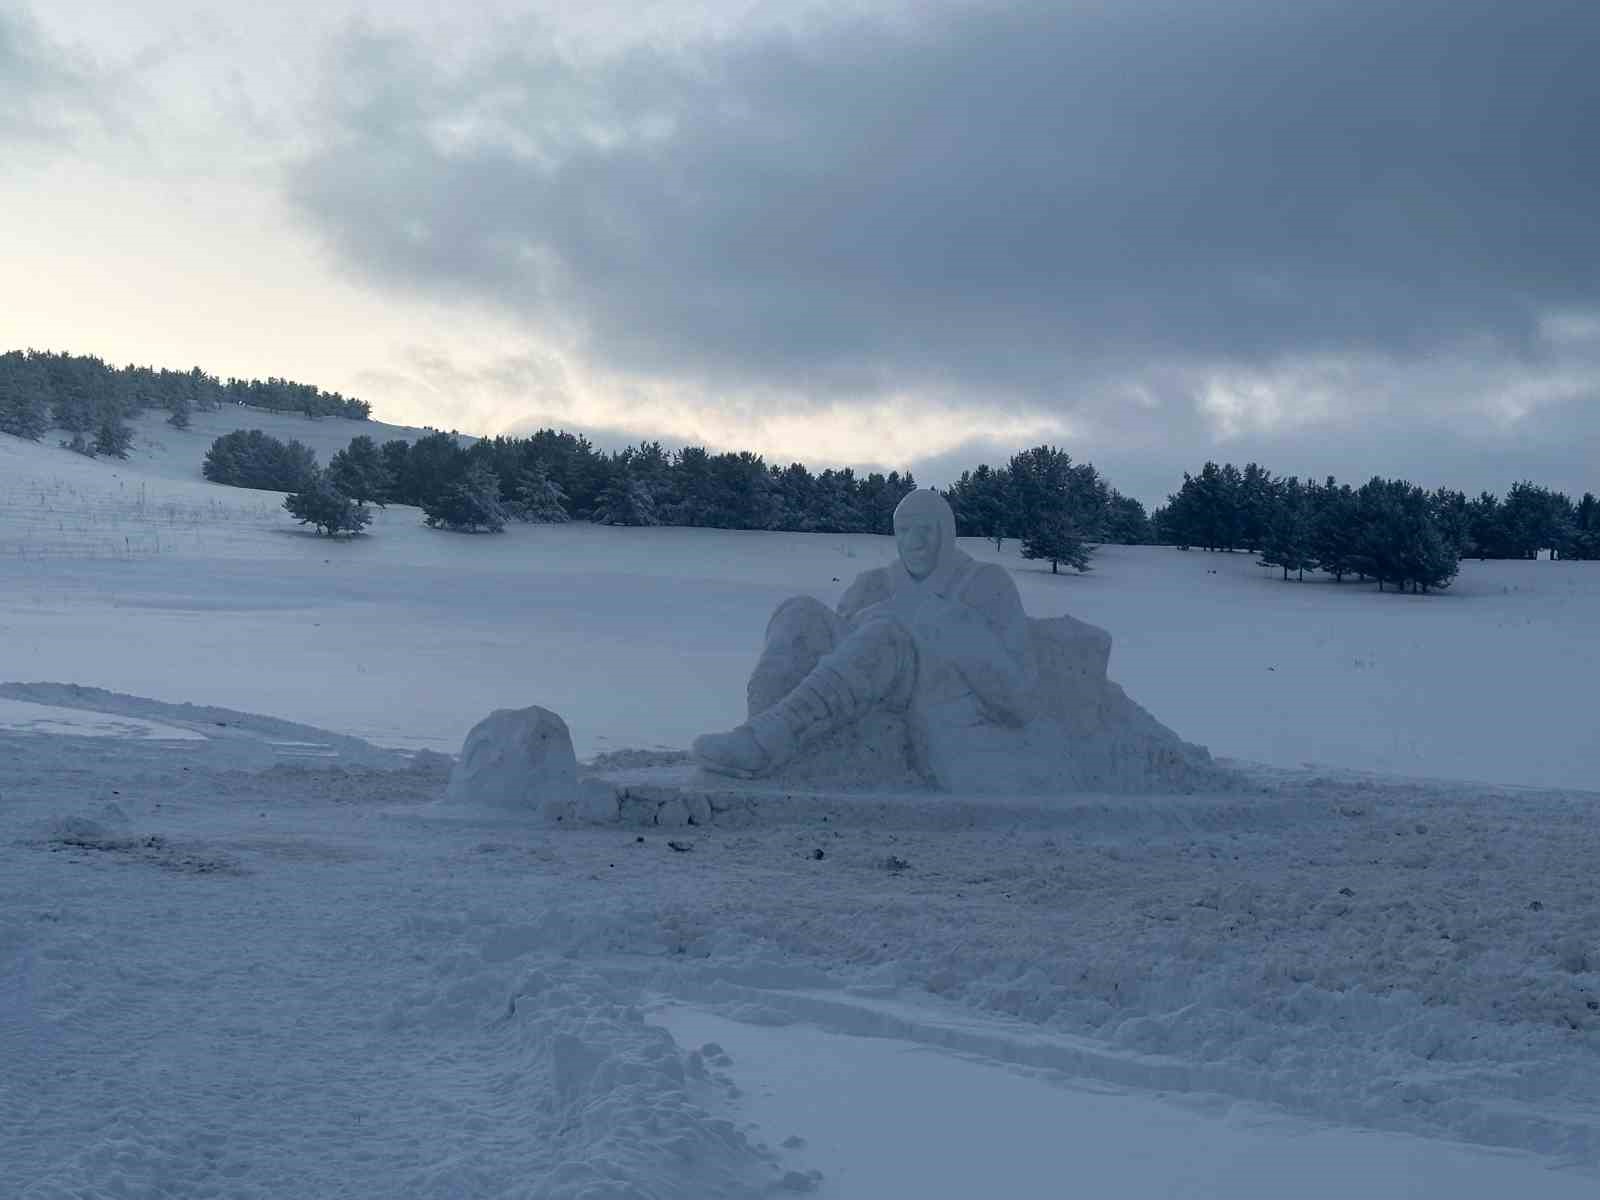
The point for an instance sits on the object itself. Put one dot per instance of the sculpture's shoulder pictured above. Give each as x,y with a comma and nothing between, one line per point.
989,588
868,588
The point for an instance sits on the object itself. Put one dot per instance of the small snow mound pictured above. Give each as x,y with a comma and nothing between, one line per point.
516,759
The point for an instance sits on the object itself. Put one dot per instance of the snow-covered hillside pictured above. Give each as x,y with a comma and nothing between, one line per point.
242,953
142,577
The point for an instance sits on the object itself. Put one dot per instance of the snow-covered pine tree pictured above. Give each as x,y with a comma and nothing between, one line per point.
326,508
358,471
627,501
112,437
1428,559
469,504
540,498
24,407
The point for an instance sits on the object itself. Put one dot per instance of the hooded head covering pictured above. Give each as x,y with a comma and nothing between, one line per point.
925,503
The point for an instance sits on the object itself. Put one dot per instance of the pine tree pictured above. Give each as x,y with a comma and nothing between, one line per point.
794,498
836,508
113,438
1534,519
1586,528
1288,538
1126,523
1258,499
1399,542
433,465
540,498
1057,506
1450,513
1486,529
1427,559
1205,510
979,500
627,501
329,510
1335,529
1056,539
249,458
393,456
24,396
469,504
358,471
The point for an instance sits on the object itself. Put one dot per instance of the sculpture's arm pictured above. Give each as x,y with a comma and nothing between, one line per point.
984,635
869,588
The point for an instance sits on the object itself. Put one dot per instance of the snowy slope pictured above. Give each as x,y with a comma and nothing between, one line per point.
240,955
143,578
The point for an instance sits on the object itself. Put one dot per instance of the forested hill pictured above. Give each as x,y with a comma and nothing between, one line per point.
92,401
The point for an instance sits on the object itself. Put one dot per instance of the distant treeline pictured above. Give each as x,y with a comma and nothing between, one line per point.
556,476
1054,505
93,401
1390,530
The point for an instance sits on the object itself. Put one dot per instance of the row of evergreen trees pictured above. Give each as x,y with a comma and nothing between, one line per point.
1390,530
93,401
555,476
1057,507
1225,508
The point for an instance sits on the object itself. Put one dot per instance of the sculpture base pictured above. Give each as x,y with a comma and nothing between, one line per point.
667,790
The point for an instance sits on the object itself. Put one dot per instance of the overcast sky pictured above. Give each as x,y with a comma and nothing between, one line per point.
1334,236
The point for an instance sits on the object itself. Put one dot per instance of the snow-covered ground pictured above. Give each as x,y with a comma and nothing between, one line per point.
241,953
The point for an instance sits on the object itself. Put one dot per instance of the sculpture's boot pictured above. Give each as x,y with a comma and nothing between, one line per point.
875,665
733,753
769,739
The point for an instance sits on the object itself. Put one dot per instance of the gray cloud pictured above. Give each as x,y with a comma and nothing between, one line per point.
47,95
1042,205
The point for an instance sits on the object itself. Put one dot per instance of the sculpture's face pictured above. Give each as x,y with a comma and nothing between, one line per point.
917,537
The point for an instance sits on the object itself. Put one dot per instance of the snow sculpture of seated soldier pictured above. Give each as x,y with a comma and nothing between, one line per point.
937,638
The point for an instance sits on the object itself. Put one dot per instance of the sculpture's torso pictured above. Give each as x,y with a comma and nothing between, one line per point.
966,619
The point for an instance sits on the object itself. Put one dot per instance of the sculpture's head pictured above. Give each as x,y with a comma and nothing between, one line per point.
924,531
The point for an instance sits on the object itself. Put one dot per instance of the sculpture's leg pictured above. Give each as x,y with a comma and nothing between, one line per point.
802,630
874,665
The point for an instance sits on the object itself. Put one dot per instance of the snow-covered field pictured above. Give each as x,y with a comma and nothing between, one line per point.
241,954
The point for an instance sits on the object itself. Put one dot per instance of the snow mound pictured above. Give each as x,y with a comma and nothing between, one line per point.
248,738
515,760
